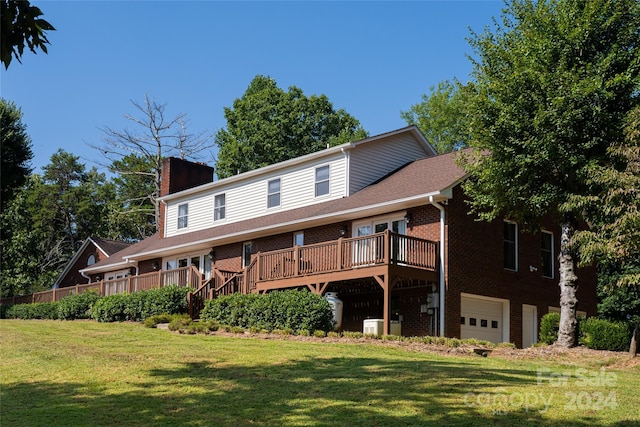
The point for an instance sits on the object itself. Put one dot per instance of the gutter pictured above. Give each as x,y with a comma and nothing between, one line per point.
441,266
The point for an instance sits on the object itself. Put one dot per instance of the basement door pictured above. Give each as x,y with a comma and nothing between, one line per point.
481,319
529,325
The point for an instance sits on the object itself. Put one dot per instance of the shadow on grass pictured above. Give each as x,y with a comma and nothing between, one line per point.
321,391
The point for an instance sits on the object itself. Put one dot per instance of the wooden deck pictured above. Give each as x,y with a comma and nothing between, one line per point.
386,257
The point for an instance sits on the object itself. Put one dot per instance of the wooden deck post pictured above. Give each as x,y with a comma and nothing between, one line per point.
386,306
339,254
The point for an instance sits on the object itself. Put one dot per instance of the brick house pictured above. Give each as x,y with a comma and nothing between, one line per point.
383,222
92,250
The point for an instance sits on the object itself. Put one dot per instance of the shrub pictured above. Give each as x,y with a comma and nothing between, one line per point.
77,306
138,306
319,333
237,330
333,334
304,332
153,321
179,323
549,325
38,310
601,334
289,310
352,334
3,310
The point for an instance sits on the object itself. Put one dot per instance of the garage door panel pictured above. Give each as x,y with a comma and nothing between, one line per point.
481,319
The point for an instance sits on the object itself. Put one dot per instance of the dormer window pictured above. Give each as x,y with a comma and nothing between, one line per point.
183,215
219,207
273,193
322,181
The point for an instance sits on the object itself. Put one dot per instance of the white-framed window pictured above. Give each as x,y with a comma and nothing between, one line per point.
510,246
273,193
298,238
322,180
183,215
219,205
547,253
246,254
200,260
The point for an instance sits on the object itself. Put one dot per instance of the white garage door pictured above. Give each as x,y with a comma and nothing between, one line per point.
481,319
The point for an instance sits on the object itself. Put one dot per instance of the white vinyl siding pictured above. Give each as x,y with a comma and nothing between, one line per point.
247,199
376,159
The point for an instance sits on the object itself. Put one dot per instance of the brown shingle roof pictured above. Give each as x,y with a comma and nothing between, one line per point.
423,177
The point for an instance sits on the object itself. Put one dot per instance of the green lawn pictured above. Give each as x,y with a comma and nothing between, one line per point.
55,373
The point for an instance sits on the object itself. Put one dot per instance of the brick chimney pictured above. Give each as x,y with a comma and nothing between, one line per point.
177,175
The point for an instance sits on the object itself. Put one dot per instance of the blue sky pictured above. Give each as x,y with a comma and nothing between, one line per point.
373,59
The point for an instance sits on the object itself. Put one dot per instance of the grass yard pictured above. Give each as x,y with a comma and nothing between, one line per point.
55,373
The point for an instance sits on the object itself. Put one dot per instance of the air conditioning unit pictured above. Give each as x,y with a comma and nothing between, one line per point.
376,327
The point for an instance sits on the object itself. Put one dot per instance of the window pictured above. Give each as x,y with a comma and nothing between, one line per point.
546,253
91,260
273,193
219,205
298,238
246,254
510,246
322,181
183,214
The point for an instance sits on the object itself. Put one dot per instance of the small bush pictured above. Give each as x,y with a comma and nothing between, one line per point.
319,333
454,342
549,325
179,323
38,310
3,310
153,321
254,330
77,306
333,334
601,334
352,334
506,345
304,332
237,330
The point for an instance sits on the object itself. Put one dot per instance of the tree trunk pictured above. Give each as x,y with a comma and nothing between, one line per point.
633,348
568,288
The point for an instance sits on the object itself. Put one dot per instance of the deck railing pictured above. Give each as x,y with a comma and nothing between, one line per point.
343,254
184,276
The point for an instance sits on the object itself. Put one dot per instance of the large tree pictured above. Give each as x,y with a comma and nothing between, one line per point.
15,151
21,26
268,125
441,116
552,87
45,224
614,239
139,153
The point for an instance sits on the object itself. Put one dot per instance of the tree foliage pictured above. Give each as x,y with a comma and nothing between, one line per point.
45,224
15,151
137,157
552,86
268,125
21,25
441,117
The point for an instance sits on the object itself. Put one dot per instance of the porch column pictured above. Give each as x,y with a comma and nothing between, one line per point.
383,281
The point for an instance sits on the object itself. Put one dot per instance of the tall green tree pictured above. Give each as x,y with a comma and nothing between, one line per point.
441,116
15,151
268,125
21,26
45,224
614,240
552,87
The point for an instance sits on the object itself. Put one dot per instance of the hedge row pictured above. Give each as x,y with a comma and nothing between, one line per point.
290,309
136,306
598,334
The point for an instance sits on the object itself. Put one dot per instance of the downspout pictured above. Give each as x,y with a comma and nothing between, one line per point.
85,276
441,266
